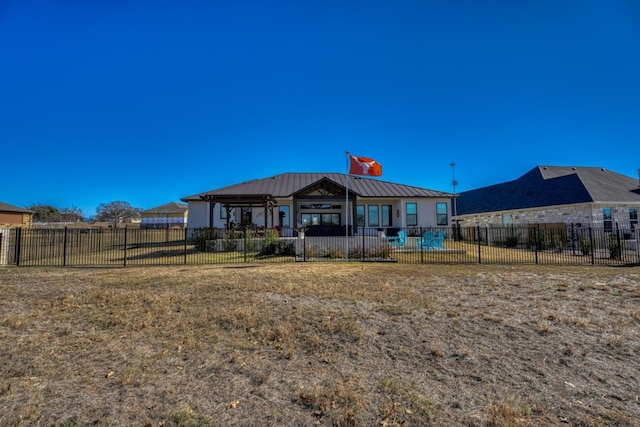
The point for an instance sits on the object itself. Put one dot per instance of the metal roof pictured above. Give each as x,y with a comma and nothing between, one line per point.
288,184
551,186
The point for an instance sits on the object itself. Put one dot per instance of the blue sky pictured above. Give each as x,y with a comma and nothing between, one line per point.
151,101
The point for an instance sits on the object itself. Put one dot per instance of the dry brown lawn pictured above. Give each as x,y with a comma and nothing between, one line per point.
329,344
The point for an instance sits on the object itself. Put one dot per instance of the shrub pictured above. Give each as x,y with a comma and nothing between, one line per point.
584,244
558,242
200,237
230,244
615,249
356,253
279,247
513,237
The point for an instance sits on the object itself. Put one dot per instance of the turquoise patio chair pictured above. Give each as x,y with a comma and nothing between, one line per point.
398,241
430,241
427,241
439,242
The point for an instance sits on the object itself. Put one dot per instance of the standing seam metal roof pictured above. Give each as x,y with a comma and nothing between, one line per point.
287,184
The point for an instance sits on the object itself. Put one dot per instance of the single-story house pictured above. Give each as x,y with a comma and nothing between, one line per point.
331,200
14,216
581,196
169,215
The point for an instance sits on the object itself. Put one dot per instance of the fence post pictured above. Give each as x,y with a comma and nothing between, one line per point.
593,256
479,244
18,244
618,242
185,246
125,246
363,243
573,240
64,247
536,239
421,246
245,244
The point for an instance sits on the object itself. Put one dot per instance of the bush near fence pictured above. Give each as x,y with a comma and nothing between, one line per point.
532,244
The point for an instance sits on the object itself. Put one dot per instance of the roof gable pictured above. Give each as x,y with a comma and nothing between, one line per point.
551,186
167,207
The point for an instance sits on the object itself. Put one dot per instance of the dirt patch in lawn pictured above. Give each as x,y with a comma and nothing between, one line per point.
320,344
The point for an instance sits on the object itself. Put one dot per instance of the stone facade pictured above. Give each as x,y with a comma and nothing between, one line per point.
586,215
15,219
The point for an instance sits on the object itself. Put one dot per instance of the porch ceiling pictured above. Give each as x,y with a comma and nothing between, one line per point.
242,200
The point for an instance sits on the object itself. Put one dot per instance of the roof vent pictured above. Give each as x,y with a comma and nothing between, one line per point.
573,168
603,169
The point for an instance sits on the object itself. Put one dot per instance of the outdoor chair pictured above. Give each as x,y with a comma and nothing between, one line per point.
430,241
399,240
439,242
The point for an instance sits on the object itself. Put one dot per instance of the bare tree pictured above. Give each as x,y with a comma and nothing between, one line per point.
116,212
72,214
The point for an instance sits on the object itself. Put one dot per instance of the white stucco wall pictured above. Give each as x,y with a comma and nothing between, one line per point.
198,215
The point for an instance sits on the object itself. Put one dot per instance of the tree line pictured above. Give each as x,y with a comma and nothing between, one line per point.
116,211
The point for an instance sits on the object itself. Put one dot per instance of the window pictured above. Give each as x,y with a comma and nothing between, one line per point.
374,220
441,213
284,214
507,220
633,217
223,212
320,219
607,219
387,212
360,219
321,206
412,214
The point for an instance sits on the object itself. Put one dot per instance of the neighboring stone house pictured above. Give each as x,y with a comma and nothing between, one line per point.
13,216
582,196
169,215
297,200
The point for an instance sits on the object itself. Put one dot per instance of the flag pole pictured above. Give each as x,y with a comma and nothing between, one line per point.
346,201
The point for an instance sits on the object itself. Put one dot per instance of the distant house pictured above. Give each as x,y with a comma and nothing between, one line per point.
582,196
169,215
13,216
296,200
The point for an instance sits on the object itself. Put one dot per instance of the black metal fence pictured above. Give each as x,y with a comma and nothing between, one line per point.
535,244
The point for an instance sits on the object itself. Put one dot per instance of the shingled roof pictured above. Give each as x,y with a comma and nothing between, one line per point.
167,207
288,184
551,186
5,207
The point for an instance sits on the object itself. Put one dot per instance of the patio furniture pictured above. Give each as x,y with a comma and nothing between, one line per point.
439,242
427,241
398,241
430,241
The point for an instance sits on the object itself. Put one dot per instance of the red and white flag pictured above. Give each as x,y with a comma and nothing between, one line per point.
364,166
